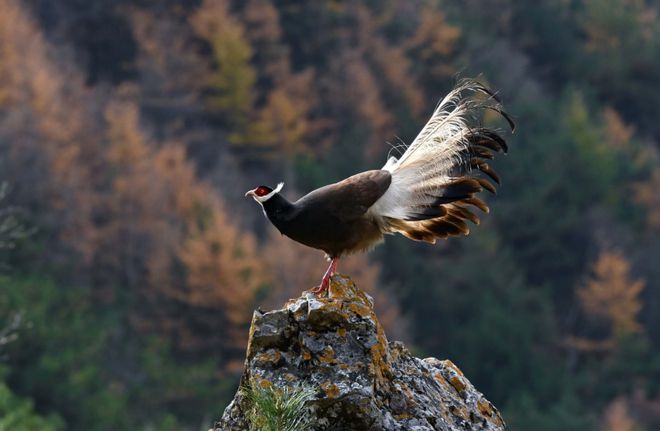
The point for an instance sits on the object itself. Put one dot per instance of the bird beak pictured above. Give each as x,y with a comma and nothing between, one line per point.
250,193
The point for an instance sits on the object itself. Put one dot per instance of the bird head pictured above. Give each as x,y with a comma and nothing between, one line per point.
262,193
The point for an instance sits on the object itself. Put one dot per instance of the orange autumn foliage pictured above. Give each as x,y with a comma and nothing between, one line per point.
172,71
262,22
194,255
433,41
617,417
128,211
284,123
222,266
390,67
612,295
273,122
46,131
618,133
646,194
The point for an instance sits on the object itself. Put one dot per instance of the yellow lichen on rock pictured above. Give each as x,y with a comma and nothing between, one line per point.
485,407
458,384
450,364
330,389
264,383
379,356
327,356
441,380
343,288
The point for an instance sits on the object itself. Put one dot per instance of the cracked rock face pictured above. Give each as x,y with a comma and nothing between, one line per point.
336,345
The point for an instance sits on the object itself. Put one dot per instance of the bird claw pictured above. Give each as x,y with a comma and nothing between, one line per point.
325,281
318,290
325,285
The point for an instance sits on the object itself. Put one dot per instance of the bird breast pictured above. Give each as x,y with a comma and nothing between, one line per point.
336,237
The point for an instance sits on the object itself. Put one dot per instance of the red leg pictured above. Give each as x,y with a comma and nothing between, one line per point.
325,281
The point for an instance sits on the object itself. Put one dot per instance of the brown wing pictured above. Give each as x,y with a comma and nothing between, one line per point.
349,199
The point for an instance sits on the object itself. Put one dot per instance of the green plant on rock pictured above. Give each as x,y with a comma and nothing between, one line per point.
279,409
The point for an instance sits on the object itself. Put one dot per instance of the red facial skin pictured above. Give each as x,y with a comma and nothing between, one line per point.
262,191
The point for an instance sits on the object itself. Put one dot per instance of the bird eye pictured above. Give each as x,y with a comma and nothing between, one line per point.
262,191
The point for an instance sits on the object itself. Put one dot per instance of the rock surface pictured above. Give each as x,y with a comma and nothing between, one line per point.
337,346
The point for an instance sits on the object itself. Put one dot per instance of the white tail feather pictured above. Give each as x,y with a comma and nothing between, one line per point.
438,150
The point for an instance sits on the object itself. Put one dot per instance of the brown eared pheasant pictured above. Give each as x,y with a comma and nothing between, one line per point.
425,194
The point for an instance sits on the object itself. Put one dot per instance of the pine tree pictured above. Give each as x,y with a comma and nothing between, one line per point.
234,78
646,193
617,417
223,273
611,294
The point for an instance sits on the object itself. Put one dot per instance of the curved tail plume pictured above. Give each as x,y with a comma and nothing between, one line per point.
435,180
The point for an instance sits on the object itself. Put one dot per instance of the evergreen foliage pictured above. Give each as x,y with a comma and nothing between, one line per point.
17,414
279,409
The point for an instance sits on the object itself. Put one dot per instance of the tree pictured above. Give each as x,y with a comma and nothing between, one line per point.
69,352
11,229
284,119
619,50
171,71
45,133
610,294
646,193
617,417
234,78
432,45
222,272
271,55
17,414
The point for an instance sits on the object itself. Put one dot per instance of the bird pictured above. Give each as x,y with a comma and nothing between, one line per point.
427,193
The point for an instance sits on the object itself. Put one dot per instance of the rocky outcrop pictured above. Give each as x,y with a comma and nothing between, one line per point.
336,345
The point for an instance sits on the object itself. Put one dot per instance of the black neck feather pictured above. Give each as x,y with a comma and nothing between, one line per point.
278,210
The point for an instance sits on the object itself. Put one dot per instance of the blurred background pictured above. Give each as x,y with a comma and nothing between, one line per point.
130,261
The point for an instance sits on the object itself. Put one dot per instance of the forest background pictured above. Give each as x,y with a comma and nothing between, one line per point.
130,261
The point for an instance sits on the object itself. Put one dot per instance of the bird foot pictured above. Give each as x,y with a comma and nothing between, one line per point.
318,290
325,281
